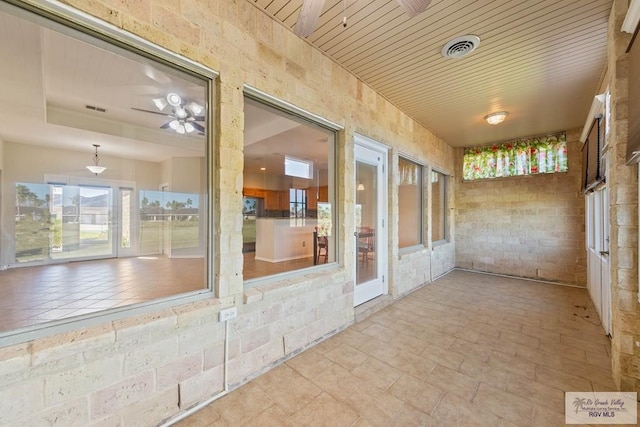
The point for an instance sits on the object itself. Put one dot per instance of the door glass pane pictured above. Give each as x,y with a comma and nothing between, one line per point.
33,222
125,222
86,222
366,220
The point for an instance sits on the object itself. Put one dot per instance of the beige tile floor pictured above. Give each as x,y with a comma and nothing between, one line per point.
469,349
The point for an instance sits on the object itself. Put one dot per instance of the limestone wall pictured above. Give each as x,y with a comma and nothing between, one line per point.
623,198
147,367
531,226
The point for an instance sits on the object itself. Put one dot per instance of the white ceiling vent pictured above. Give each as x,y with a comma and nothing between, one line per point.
460,46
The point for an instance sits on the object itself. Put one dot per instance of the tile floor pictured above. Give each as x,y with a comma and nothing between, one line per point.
33,295
469,349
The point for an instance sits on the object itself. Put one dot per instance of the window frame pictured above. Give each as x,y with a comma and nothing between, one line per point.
445,207
82,26
423,199
292,110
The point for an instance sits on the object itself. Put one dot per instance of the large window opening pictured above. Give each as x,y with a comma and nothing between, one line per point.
288,194
103,152
439,207
410,202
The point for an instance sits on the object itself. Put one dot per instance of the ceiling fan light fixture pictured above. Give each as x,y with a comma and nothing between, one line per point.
196,108
174,99
181,130
180,113
174,124
95,168
496,118
160,103
189,127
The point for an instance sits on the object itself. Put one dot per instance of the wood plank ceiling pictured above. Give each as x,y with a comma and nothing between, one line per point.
542,61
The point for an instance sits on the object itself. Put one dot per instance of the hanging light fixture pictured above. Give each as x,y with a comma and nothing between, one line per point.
95,168
496,118
360,187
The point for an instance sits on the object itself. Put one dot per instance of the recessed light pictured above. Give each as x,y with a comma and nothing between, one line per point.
263,169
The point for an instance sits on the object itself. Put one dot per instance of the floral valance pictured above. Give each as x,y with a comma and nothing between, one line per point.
527,156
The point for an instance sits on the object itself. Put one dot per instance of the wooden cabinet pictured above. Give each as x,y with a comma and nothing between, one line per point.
272,200
323,194
312,198
284,200
253,192
315,195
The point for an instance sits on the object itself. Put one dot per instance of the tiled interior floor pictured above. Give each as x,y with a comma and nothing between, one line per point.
468,349
32,295
253,268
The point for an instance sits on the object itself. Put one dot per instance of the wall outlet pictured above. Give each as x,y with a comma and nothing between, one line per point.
304,244
227,314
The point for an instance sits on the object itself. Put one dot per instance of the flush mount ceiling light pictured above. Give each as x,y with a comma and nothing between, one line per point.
496,118
95,168
460,46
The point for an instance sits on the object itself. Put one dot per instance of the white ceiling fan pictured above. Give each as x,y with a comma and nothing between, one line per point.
183,115
311,10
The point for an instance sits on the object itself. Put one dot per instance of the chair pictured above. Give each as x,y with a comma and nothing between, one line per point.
323,248
366,243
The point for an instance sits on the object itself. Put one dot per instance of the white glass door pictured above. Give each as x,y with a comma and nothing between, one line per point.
371,213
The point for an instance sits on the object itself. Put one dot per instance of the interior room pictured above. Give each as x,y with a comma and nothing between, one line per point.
104,203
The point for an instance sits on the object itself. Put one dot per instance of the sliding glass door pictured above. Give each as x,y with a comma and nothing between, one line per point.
56,222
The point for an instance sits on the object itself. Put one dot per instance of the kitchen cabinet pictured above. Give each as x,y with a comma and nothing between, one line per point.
272,200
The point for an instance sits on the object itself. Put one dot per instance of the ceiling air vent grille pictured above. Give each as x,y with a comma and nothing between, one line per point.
460,46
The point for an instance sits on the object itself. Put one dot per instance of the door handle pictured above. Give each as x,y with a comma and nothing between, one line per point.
603,253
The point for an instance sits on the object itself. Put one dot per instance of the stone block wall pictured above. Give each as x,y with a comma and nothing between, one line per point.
145,368
531,226
623,199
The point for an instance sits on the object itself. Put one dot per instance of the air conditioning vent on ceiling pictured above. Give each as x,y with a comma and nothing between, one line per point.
460,46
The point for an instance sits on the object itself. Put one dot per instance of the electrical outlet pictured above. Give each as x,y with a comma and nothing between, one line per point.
304,244
228,314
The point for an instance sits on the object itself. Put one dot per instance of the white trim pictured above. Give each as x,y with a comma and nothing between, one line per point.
55,9
597,107
289,108
632,18
382,251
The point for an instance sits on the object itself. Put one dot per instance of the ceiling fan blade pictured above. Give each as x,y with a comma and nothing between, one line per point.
198,126
309,14
165,126
150,111
414,7
198,118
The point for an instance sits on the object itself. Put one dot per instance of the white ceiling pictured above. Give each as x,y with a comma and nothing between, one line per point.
51,78
542,61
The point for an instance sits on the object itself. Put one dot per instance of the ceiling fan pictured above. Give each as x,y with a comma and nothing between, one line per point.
311,10
184,115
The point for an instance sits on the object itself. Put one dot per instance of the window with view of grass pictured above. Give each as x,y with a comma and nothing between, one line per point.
410,202
104,183
288,192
